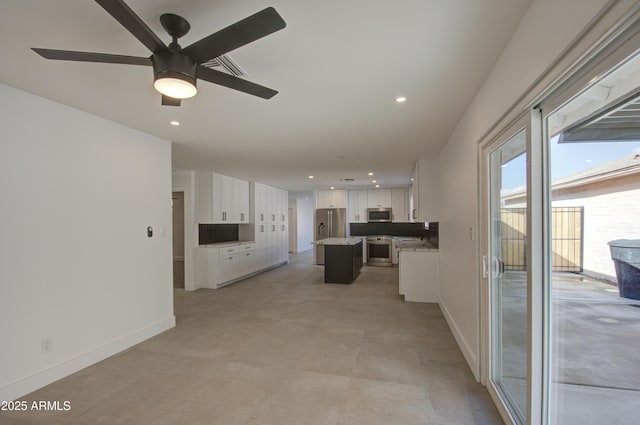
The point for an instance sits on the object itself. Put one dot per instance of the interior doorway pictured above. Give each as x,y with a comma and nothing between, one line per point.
177,202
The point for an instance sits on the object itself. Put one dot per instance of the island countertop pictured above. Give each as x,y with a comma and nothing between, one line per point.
339,241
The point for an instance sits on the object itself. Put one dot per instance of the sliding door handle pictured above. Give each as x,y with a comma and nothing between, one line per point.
485,267
498,267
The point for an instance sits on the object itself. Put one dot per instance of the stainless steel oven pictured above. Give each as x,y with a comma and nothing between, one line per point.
379,215
379,250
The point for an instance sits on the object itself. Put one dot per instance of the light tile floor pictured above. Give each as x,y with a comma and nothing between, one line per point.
283,348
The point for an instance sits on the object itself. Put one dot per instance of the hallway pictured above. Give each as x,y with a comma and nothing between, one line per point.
282,348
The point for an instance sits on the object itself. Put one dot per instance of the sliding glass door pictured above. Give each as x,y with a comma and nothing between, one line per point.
561,293
508,268
593,140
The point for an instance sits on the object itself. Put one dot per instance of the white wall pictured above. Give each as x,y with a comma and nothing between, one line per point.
76,265
546,30
304,211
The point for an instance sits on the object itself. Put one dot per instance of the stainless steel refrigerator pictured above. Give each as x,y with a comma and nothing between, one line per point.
329,223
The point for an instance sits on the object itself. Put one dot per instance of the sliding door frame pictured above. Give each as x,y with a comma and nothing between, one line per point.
529,121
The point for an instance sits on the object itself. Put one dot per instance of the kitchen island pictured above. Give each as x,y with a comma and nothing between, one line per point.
342,259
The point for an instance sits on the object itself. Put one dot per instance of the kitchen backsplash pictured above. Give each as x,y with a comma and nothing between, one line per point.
216,233
416,230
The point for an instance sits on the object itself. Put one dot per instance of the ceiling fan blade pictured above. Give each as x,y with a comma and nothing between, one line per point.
170,101
256,26
232,82
67,55
132,22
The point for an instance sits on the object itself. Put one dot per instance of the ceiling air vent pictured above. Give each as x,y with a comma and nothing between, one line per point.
226,64
348,180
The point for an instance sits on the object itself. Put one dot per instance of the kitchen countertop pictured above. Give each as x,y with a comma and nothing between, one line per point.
339,241
415,245
223,244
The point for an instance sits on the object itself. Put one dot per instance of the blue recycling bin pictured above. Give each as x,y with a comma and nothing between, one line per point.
625,254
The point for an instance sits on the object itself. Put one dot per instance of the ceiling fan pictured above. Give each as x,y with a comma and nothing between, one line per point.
177,69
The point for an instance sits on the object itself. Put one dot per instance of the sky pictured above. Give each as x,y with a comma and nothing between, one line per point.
567,159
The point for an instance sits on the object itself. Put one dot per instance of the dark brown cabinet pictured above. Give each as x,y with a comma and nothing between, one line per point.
342,263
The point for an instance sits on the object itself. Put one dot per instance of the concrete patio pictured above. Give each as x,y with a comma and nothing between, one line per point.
595,363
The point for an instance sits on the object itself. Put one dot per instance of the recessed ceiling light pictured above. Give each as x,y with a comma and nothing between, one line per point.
310,177
401,99
377,185
175,123
371,174
588,160
332,187
374,181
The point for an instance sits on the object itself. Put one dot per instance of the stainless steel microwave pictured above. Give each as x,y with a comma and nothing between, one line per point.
379,215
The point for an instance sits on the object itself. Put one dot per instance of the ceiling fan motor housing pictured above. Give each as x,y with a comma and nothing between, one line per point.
174,65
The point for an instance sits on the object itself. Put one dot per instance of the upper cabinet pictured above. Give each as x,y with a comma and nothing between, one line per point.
379,198
331,198
357,206
240,210
204,212
425,205
400,205
222,199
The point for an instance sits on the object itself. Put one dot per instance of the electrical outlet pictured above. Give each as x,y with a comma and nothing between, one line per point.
46,344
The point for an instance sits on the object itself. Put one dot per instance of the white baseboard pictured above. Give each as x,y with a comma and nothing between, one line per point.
468,353
247,276
58,371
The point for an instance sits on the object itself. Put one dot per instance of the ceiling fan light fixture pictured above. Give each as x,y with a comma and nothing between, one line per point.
174,75
177,88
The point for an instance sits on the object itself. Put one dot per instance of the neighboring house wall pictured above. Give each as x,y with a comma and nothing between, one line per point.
611,211
76,265
548,27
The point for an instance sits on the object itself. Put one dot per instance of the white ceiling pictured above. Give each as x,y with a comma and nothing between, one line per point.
338,66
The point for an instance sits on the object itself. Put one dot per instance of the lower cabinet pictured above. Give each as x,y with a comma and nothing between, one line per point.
227,263
224,264
419,276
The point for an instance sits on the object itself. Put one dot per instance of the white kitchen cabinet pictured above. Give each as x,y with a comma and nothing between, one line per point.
234,200
204,204
331,198
270,228
281,207
241,202
260,197
400,205
379,198
425,206
357,208
227,263
419,275
222,187
262,245
222,199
